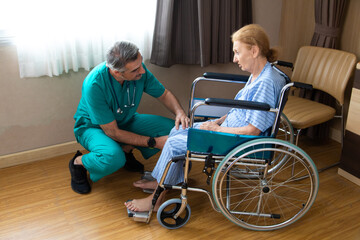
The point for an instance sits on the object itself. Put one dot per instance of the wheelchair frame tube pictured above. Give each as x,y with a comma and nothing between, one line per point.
281,102
184,187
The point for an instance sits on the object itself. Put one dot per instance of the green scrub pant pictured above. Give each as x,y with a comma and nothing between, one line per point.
106,155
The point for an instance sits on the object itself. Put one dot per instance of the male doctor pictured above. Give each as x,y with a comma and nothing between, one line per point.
106,121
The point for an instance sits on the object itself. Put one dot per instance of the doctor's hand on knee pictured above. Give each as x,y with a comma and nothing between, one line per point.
183,120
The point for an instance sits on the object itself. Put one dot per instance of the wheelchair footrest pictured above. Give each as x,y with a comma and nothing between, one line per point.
139,216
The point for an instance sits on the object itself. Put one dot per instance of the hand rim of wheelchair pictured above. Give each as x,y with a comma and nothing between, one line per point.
162,215
305,162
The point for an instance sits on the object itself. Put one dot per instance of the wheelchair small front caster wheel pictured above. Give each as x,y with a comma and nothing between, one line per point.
167,211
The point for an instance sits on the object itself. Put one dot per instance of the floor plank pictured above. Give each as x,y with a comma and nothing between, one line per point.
36,202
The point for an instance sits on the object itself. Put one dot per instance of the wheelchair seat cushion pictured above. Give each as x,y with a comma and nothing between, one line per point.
217,143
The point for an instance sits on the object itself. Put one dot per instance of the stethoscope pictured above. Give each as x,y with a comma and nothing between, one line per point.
130,103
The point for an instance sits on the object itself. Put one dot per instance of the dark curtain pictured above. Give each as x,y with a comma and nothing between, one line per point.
328,20
329,15
197,31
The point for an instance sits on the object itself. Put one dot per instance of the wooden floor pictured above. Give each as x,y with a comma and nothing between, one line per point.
36,202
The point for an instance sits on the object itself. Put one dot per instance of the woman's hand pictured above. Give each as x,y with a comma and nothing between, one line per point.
210,126
219,121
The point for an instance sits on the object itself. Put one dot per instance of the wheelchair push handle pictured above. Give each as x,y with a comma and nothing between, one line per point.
303,85
284,64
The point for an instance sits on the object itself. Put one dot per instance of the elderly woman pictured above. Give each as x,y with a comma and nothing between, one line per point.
253,54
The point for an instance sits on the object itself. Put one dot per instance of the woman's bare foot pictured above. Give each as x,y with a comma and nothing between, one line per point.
144,204
145,184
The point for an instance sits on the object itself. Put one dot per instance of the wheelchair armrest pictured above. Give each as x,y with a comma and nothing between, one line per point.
237,104
226,76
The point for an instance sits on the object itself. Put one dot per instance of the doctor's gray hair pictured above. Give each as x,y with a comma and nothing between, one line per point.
120,54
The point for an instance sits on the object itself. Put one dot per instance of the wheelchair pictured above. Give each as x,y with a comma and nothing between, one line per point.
257,182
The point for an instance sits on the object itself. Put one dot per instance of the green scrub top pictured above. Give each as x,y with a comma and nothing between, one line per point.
98,104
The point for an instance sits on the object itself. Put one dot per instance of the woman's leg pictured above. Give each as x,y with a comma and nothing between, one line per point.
175,145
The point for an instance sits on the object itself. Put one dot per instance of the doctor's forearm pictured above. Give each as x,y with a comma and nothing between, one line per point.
171,102
112,131
128,138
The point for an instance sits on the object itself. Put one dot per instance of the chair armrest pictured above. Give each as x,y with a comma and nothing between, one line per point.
226,76
237,104
303,85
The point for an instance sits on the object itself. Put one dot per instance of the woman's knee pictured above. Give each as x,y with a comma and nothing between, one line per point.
177,143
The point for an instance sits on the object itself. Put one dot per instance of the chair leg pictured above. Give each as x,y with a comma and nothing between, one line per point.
342,127
324,168
297,136
341,139
327,167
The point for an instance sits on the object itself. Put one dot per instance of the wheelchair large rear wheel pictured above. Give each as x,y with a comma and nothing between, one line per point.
272,200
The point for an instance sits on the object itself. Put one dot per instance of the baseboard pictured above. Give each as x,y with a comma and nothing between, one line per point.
335,134
349,176
39,154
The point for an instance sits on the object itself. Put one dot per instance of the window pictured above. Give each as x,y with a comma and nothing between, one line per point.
54,37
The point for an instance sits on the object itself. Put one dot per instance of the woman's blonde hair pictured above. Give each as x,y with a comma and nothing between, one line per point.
254,34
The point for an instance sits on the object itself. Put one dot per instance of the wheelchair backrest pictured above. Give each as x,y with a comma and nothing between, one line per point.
206,112
281,102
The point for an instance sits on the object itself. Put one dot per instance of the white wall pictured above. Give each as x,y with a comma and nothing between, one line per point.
268,15
37,112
